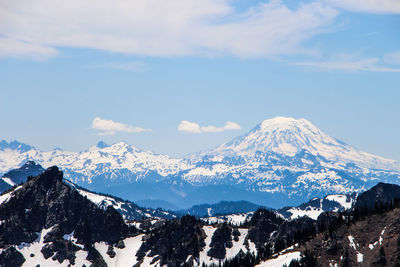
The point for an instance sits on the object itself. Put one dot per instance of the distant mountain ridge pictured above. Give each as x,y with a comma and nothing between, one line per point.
316,206
20,175
221,208
282,161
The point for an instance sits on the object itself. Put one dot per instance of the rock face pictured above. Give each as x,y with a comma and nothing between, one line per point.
174,241
11,257
221,239
45,202
47,221
263,223
378,196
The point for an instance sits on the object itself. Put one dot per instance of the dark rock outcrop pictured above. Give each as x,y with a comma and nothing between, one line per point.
221,239
11,258
174,241
378,197
46,201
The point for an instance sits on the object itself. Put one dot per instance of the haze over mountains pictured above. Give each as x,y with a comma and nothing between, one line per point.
282,161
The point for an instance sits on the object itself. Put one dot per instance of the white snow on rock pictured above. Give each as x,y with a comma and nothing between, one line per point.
100,200
230,252
360,257
343,200
35,247
124,257
8,181
281,260
204,258
234,219
380,240
7,196
237,246
311,212
352,244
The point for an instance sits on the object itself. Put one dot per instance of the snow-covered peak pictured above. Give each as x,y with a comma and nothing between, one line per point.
281,123
281,135
289,136
97,160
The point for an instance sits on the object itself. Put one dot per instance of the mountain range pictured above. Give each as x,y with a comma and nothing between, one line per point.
282,161
48,222
235,212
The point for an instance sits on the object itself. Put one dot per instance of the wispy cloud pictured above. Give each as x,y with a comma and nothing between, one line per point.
15,48
110,127
193,127
135,66
368,6
166,28
392,58
350,63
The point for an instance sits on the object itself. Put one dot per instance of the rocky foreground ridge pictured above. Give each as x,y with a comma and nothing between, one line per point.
46,221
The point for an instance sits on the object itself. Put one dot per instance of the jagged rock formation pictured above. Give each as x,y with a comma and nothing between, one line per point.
45,202
366,235
49,222
175,241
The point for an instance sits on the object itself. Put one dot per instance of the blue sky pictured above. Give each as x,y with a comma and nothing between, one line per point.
142,70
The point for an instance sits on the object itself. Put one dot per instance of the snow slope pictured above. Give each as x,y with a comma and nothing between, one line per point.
288,136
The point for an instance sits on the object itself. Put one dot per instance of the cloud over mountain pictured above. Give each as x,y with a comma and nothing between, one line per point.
193,127
110,127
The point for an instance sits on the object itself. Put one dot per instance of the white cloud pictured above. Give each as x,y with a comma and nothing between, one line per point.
15,48
109,127
232,126
348,63
193,127
166,28
368,6
392,58
134,66
190,127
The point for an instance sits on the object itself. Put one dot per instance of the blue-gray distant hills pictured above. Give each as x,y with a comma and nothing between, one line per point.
282,161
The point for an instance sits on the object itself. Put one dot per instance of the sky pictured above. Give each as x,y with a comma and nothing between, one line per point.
180,76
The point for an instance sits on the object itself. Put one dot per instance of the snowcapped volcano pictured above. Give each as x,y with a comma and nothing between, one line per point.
289,136
281,135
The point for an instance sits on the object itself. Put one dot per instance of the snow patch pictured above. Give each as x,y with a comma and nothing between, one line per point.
7,196
281,260
8,181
